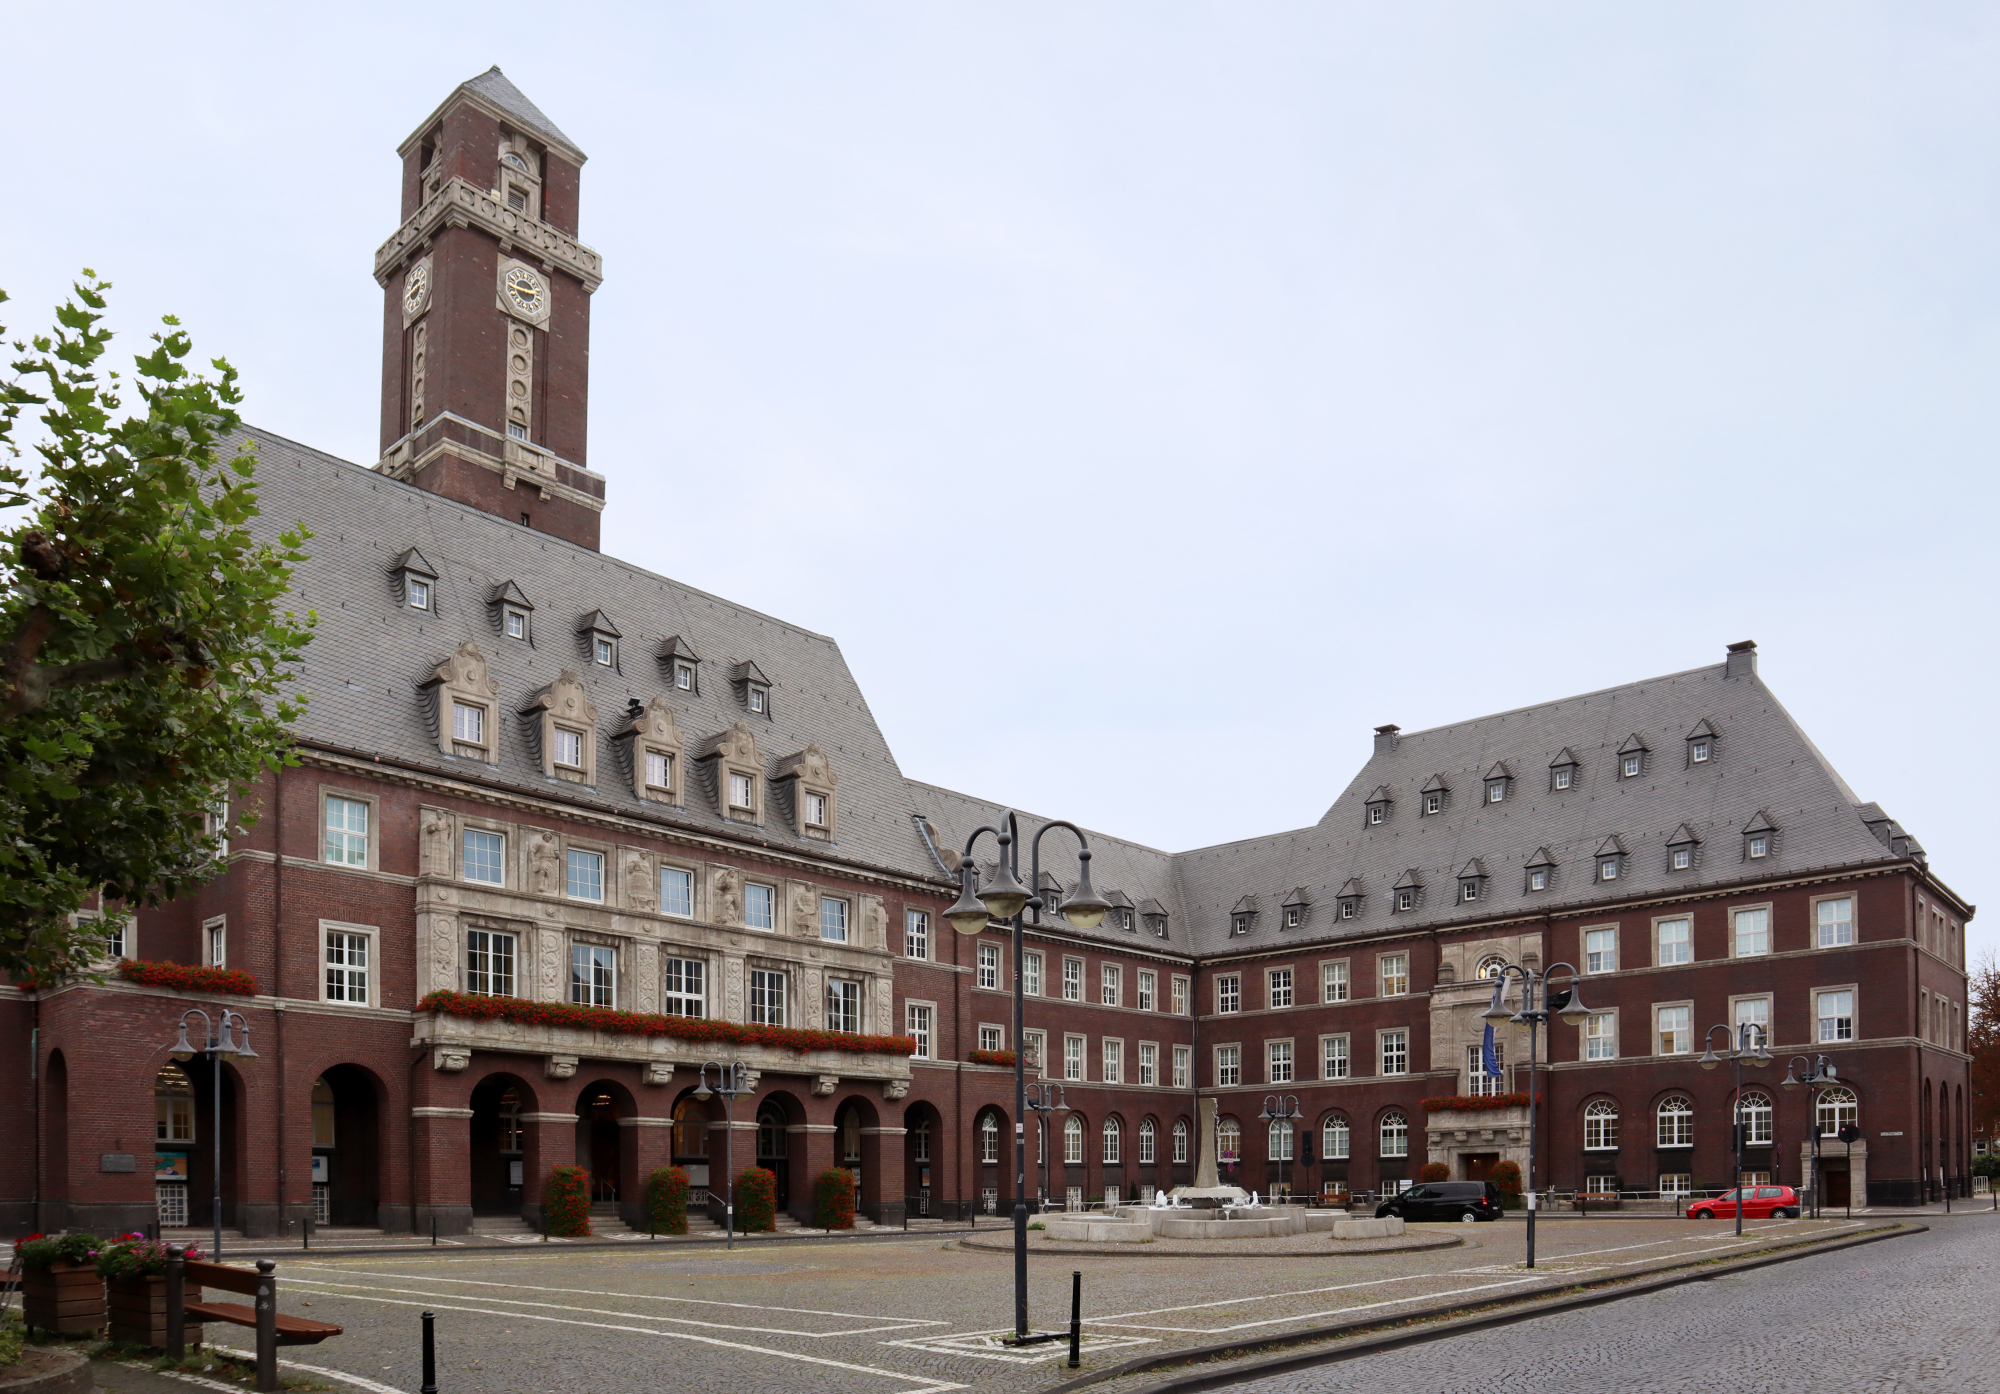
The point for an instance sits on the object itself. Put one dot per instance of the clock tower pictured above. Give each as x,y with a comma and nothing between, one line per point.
486,317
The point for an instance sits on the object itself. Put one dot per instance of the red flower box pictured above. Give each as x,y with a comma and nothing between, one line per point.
992,1057
233,981
685,1028
1457,1103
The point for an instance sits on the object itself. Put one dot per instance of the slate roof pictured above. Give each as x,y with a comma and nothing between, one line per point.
495,88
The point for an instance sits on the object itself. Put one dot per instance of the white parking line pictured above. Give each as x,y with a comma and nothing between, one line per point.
1330,1311
250,1358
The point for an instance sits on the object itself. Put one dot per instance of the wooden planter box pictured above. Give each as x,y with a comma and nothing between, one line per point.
138,1308
66,1297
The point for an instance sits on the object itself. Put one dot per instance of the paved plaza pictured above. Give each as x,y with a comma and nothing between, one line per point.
908,1317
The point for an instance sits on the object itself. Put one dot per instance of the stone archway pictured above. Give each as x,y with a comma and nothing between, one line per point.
607,1145
924,1162
347,1148
780,1149
498,1156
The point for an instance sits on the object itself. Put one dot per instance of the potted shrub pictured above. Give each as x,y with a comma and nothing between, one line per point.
833,1199
60,1289
667,1201
566,1202
1434,1171
756,1200
134,1269
1507,1176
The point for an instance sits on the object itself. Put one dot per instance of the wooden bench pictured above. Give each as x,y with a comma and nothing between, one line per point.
273,1330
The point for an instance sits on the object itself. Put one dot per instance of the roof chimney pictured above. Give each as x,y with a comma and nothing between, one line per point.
1385,738
1742,660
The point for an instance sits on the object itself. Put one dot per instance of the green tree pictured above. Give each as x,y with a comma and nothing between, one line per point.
144,650
1982,1042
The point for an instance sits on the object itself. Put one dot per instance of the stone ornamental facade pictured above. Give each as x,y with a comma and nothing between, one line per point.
540,788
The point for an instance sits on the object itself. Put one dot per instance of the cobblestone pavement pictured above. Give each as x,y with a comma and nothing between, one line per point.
1912,1314
894,1318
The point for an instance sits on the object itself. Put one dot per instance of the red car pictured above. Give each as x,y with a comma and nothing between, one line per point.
1759,1203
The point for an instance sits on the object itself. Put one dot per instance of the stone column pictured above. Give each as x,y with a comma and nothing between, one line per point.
547,1140
441,1170
811,1147
882,1173
646,1145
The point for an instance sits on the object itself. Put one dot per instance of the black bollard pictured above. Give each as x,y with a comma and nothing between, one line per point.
430,1354
1075,1317
434,1231
307,1230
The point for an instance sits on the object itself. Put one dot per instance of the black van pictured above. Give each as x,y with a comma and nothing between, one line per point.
1445,1200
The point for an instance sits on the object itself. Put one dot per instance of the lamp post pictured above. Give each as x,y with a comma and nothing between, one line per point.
1045,1099
1534,1012
1279,1108
731,1081
1819,1073
1003,897
216,1042
1746,1043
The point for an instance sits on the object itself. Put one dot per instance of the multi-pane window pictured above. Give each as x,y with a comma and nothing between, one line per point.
741,792
1395,974
1278,987
1683,858
1181,1142
1600,950
1114,1062
1031,974
1395,1052
1674,1122
1753,932
989,1138
1180,996
568,748
1072,1057
767,997
683,987
1228,1141
1335,1138
517,624
117,939
1183,1067
1228,1066
216,934
815,810
1753,1012
346,967
1333,982
1758,1117
484,857
604,651
1149,1063
990,1038
586,875
419,593
1109,984
1073,1148
1278,1141
468,723
1600,1036
1114,1142
1148,1135
593,975
1395,1135
1600,1127
1836,922
916,934
917,1025
1674,1029
989,965
1072,980
676,891
1333,1057
684,676
833,919
1676,939
1676,1183
173,1106
843,1005
1478,1081
1836,1015
1229,993
1277,1062
346,831
1836,1109
760,906
659,769
1149,990
489,963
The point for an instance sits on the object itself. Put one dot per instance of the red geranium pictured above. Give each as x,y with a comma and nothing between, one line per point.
1449,1103
685,1028
233,981
992,1057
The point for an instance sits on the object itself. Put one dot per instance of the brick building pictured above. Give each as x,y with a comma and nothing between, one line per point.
535,778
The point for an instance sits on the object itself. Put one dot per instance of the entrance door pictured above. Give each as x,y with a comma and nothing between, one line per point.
1479,1165
601,1114
1837,1187
773,1151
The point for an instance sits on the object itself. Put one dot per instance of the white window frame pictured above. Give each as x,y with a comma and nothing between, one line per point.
1739,1001
1591,957
1181,989
1336,1138
1036,1043
1819,1038
1075,1048
784,1005
1149,1064
570,878
770,894
1280,1061
1228,993
465,835
1686,1045
837,995
1111,984
1391,969
679,993
1399,1037
372,981
592,950
834,918
916,934
482,982
1659,1114
1336,980
215,941
1820,940
1600,1122
987,971
920,1024
1072,979
1278,991
745,785
567,746
1383,1139
992,1036
1228,1061
1034,982
1183,1068
1111,1059
1336,1056
1736,932
369,840
692,882
1148,990
1660,960
1600,1041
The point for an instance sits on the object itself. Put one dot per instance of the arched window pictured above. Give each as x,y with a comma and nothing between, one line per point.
1073,1139
1600,1126
1395,1135
850,1139
772,1139
1146,1131
173,1105
1280,1141
322,1104
1114,1138
510,1121
989,1138
920,1142
1335,1139
1228,1141
1757,1118
1181,1141
1490,965
1676,1121
690,1128
1836,1109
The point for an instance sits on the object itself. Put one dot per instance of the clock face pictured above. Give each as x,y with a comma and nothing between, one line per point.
416,286
525,290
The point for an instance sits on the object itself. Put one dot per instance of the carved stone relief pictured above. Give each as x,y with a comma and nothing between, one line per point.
641,890
444,953
464,676
885,1023
824,1085
646,973
805,910
658,1072
564,703
874,923
732,975
438,839
544,862
559,1066
815,1003
551,965
451,1059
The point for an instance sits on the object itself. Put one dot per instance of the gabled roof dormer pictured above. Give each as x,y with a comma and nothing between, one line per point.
1563,770
415,581
1435,796
1683,849
1378,805
599,637
1498,782
652,745
1243,915
513,613
1632,757
1702,742
1760,838
562,723
683,669
806,783
1123,913
1471,881
1297,909
753,689
1154,915
1347,901
1611,858
1541,871
1051,892
1408,892
734,773
467,709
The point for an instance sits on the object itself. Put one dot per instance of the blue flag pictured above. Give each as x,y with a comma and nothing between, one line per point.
1488,1061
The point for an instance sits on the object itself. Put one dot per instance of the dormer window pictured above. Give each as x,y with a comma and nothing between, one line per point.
1471,881
1240,925
659,770
1633,763
684,676
654,755
1408,890
1468,890
564,725
1607,869
1538,880
517,624
419,593
1563,770
1683,858
1406,900
1295,908
1497,781
1681,848
1294,917
417,577
605,652
1541,871
1632,757
1611,859
682,667
1350,906
742,791
600,638
1347,902
1697,752
1123,915
1564,775
1377,813
816,810
1377,805
1157,925
1760,847
1435,795
758,696
1433,803
568,748
1243,915
752,687
1760,837
1701,743
514,611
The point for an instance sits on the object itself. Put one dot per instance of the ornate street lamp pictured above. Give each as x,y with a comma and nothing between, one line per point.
1745,1045
731,1082
1044,1100
216,1042
1534,1013
1819,1074
1279,1108
1003,897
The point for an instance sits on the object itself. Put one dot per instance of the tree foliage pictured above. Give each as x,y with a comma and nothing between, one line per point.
144,650
1982,1042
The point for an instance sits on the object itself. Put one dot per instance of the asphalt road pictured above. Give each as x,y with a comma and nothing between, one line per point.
1914,1314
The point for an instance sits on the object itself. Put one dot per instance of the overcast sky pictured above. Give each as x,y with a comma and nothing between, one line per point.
1152,398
